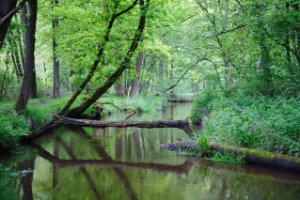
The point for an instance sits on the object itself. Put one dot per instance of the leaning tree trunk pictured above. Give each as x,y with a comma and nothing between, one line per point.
29,43
76,112
5,8
135,88
98,58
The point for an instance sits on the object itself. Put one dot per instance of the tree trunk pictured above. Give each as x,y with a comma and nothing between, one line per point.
2,85
29,43
296,7
15,66
98,58
13,58
19,43
33,90
76,112
120,89
287,47
6,7
56,80
15,55
72,122
135,88
265,67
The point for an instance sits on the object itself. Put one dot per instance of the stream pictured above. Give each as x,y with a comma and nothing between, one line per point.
128,163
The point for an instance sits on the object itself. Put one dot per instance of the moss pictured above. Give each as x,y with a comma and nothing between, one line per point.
255,152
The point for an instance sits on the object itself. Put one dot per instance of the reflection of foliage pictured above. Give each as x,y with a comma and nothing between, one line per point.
221,182
12,127
8,186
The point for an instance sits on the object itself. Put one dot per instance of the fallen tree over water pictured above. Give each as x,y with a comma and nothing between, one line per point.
66,121
251,156
180,169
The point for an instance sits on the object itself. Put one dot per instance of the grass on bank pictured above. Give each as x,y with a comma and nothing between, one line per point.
271,124
40,111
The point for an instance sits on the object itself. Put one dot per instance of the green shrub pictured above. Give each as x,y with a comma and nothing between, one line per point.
263,123
203,104
138,103
227,157
12,127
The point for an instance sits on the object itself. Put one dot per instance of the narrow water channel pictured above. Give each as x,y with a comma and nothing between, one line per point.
121,164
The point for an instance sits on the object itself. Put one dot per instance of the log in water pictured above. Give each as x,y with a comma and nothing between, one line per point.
66,121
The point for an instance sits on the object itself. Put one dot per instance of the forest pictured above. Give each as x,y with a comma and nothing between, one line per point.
214,81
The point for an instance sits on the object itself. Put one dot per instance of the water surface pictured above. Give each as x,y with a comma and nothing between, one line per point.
119,163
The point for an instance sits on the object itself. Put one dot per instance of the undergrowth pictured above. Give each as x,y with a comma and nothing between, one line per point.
226,157
40,111
138,103
271,124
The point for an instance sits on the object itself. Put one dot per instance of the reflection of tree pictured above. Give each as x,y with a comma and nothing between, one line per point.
179,169
83,170
119,147
137,143
26,181
211,180
102,153
106,162
54,166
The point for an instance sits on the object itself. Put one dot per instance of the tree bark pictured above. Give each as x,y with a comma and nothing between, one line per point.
6,7
135,86
29,63
98,58
56,79
76,112
65,121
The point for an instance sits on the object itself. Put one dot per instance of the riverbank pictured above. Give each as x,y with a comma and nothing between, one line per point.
41,111
270,124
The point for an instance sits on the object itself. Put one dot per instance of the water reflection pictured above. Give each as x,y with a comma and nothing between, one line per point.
114,163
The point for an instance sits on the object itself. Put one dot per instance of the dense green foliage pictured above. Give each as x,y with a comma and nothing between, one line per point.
240,58
12,127
41,111
256,122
